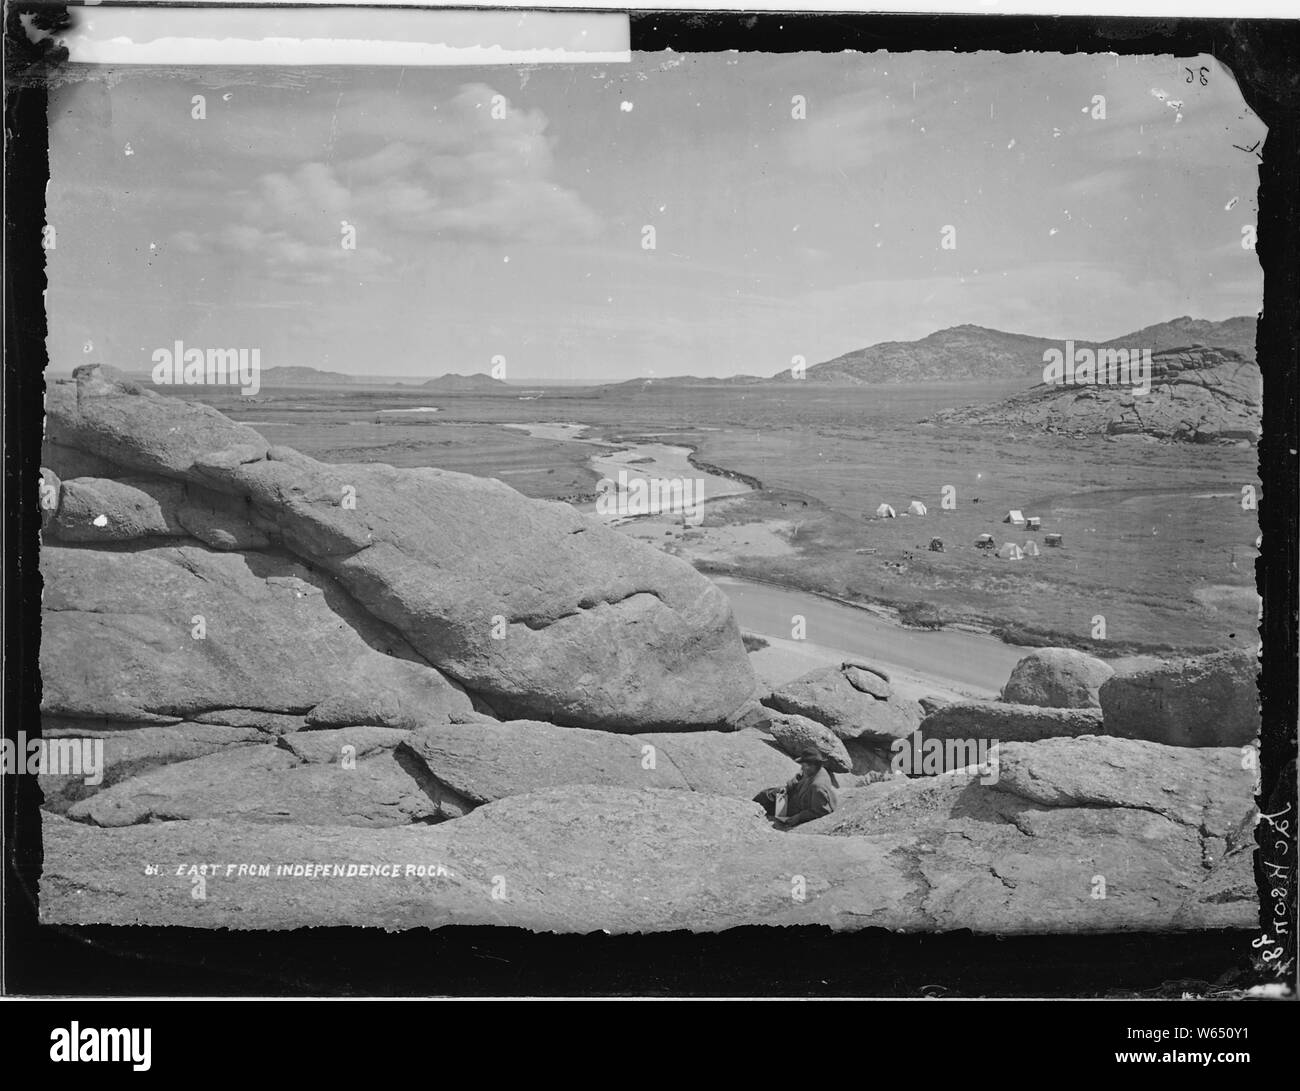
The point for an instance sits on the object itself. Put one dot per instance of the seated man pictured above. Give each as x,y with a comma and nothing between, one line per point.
809,795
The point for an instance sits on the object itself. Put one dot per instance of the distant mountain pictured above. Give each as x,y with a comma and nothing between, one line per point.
302,376
670,382
1197,395
1237,334
951,355
464,384
967,353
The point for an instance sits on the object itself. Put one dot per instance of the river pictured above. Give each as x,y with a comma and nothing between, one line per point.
964,659
645,463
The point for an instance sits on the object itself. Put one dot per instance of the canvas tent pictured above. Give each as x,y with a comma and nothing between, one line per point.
916,508
885,512
1015,517
1011,552
1031,548
1033,522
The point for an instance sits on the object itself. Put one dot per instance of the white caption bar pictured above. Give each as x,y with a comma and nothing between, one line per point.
344,36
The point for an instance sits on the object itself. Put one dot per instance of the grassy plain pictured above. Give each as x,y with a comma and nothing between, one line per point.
1156,540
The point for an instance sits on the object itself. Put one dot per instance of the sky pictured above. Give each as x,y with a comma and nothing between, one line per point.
501,212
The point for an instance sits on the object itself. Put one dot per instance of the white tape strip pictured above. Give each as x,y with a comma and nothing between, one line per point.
344,36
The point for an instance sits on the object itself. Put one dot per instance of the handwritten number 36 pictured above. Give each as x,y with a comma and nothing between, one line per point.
1204,73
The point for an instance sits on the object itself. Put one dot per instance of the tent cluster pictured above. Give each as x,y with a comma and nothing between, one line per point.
1009,551
914,508
1017,518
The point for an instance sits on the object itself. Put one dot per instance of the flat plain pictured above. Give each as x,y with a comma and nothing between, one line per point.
1158,549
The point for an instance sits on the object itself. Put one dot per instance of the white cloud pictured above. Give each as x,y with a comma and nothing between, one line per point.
471,168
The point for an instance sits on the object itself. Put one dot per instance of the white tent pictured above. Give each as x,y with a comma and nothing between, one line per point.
1031,548
885,512
1015,517
1011,552
916,508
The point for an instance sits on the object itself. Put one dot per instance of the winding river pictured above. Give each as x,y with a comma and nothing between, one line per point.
964,659
967,660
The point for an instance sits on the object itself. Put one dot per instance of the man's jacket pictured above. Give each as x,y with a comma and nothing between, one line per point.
810,797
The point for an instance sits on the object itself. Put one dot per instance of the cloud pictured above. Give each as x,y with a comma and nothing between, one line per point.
471,168
846,133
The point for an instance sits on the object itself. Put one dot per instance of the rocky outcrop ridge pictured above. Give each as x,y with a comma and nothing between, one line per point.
1197,395
411,698
526,604
1062,843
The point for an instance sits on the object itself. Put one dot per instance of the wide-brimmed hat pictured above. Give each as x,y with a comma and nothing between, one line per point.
811,754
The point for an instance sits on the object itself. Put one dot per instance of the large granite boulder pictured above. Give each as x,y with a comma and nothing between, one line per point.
738,764
1057,678
913,855
848,700
486,762
535,608
1208,790
793,733
265,783
132,752
120,638
103,510
483,762
574,858
1209,700
105,414
1000,722
866,681
1166,829
127,508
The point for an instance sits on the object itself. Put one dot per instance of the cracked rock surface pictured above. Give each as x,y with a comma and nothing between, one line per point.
288,663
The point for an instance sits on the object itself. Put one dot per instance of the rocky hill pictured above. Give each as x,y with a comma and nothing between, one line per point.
1198,395
303,376
959,354
973,353
1237,334
452,383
